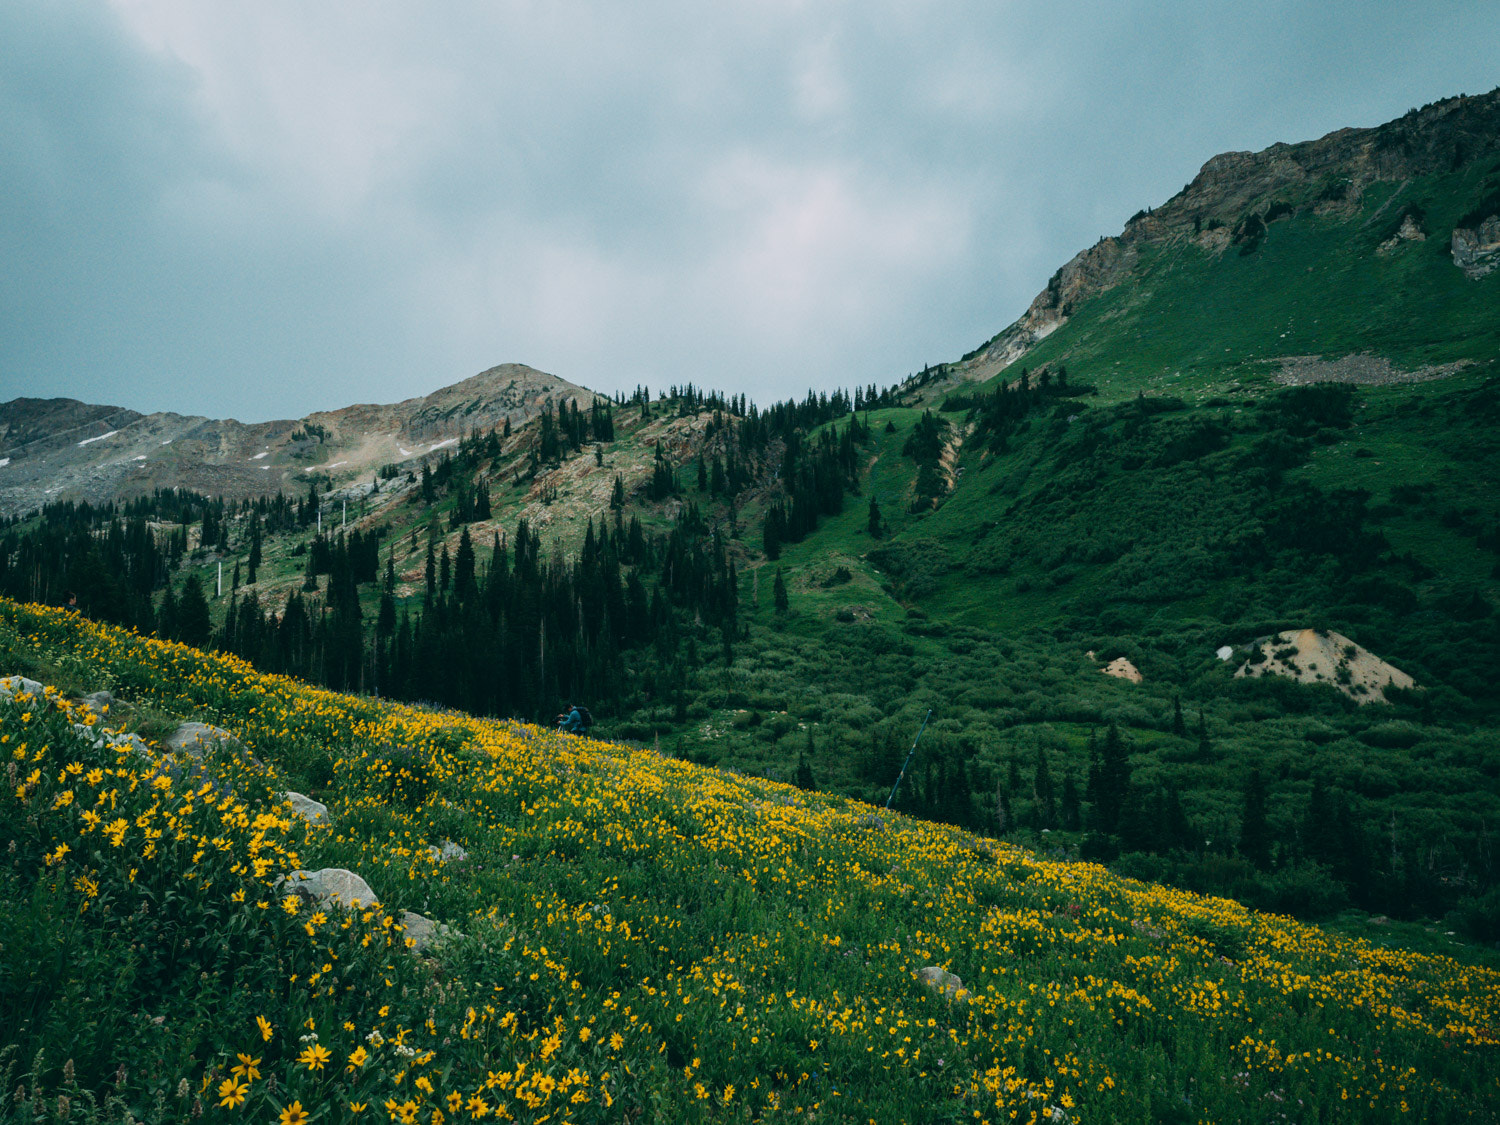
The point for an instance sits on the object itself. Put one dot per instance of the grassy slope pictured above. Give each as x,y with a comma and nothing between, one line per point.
752,947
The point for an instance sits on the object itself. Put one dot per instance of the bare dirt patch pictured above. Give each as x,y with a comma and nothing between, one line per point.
1311,657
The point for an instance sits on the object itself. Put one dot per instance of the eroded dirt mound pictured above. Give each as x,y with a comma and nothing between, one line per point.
1311,657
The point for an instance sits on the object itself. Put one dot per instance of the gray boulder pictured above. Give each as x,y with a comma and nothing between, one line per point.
942,982
336,885
12,686
192,737
314,812
134,741
101,703
423,932
447,853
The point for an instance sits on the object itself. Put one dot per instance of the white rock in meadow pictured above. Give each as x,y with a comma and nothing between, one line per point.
193,736
941,981
422,931
448,852
314,812
331,884
12,686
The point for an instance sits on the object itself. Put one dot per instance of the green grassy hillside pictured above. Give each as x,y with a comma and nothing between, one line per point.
628,938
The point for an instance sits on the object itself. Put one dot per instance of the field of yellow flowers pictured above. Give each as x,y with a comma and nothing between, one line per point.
631,938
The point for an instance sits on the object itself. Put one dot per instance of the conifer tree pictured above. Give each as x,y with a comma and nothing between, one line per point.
1044,800
1178,727
254,562
1255,833
779,594
873,525
463,566
804,773
1114,780
193,627
1071,816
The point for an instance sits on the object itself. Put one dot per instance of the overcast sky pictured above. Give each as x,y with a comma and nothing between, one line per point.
261,208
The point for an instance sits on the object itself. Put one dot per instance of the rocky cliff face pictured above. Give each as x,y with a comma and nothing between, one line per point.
1477,251
61,449
1236,195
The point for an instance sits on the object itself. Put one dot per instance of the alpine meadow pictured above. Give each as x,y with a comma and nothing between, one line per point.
1103,726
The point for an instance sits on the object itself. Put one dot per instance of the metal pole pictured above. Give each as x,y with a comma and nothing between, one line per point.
909,754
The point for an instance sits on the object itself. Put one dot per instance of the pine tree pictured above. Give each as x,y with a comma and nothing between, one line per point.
1044,801
1114,780
1005,819
463,566
873,525
617,495
1255,833
254,562
1178,727
779,594
193,627
166,614
805,774
1072,818
1092,785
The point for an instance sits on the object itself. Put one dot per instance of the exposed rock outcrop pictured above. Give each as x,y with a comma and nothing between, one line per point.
1477,251
1409,231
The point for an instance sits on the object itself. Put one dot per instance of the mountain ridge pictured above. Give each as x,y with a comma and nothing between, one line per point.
64,449
1327,175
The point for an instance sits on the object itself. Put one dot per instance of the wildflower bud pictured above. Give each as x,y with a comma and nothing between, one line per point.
68,1073
20,1093
182,1088
120,1076
197,1107
64,1107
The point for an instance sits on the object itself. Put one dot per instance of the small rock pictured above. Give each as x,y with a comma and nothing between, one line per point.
134,741
449,851
942,982
331,884
424,932
12,686
100,703
314,812
191,737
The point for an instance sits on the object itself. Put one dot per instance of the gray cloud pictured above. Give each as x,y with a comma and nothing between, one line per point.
262,209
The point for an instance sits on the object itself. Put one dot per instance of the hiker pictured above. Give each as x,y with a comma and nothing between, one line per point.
576,720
